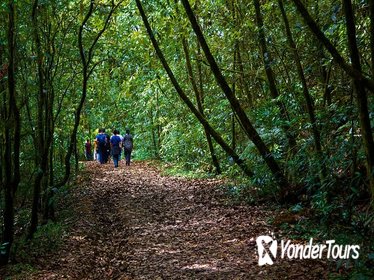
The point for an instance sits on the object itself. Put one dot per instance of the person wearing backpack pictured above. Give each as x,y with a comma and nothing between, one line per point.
88,152
115,143
101,141
127,146
108,148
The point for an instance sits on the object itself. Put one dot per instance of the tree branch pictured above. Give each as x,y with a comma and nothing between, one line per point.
351,71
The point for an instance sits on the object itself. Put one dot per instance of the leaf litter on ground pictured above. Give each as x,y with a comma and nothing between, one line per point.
133,223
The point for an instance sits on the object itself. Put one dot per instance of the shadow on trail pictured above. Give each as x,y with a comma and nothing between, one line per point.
133,223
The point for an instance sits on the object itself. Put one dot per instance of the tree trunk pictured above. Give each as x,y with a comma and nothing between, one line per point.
353,72
48,211
187,101
11,135
86,60
247,125
268,60
243,79
201,97
198,95
42,138
308,98
371,5
76,155
360,94
158,125
153,134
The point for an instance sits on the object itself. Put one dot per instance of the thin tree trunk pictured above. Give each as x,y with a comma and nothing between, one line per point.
201,97
247,125
48,211
186,100
324,69
42,147
237,18
45,125
308,98
11,152
199,104
86,60
326,74
154,142
76,155
360,94
371,6
243,79
158,125
233,132
2,116
353,72
198,90
267,60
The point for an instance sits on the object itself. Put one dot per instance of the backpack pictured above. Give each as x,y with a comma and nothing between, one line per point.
127,142
101,139
116,149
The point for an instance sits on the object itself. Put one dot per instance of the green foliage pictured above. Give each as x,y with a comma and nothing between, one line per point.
128,88
47,239
252,192
19,271
309,226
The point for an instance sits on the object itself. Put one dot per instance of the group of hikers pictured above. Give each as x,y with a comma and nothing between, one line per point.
106,146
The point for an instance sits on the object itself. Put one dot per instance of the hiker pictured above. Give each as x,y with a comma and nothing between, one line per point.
87,148
96,150
115,143
120,154
107,148
127,146
101,145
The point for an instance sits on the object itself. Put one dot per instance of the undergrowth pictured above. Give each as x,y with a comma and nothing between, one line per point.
49,237
179,170
332,211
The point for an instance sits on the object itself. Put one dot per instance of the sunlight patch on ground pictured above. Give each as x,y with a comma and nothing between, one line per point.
163,251
197,266
78,238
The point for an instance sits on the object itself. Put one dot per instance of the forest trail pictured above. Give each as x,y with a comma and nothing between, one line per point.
132,223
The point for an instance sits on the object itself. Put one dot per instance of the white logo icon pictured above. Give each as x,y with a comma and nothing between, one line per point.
263,253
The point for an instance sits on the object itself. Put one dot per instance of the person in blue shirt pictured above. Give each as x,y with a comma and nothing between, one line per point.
101,143
116,146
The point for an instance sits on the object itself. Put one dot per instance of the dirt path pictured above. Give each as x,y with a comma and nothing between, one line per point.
134,224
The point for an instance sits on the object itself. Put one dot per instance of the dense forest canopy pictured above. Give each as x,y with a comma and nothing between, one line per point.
279,92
